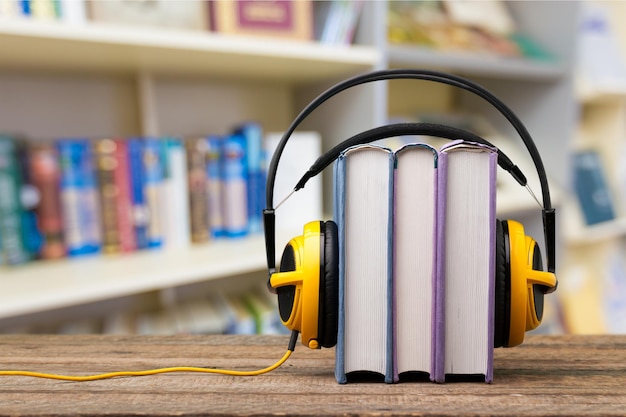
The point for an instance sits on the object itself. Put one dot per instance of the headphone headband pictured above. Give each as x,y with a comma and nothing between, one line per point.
416,74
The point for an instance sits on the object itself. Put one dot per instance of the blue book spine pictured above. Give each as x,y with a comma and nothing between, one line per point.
81,213
339,192
592,188
255,176
215,186
153,190
234,176
137,180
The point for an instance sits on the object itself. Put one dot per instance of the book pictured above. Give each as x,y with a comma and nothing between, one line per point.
234,182
188,14
465,261
106,162
124,201
176,195
196,149
364,217
414,259
591,187
215,186
336,21
285,19
137,191
153,174
45,176
79,197
12,244
255,176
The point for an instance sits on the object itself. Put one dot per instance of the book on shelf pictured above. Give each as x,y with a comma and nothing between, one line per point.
105,165
335,21
188,14
591,187
255,174
465,260
286,19
45,175
215,186
13,247
79,197
154,172
364,216
138,195
234,179
176,195
196,148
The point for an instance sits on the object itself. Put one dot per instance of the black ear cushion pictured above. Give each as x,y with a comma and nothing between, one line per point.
329,286
503,291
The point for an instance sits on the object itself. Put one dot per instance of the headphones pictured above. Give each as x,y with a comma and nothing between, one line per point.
307,280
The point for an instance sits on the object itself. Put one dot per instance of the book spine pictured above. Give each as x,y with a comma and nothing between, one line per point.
196,180
81,216
253,135
339,211
124,207
46,177
154,190
176,195
439,332
140,211
106,163
12,243
215,186
234,171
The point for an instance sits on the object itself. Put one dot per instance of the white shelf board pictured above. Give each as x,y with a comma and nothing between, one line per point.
577,234
95,47
473,64
45,285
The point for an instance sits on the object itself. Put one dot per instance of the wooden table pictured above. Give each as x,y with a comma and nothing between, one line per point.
547,375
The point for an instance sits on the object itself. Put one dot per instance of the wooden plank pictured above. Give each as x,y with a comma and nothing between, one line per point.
548,375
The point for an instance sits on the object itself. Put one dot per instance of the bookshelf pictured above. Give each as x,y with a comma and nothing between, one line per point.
96,79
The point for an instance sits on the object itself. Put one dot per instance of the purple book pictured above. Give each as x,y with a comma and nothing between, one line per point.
466,222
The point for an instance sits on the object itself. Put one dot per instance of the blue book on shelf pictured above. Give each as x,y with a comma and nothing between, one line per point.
79,197
592,188
138,196
234,176
153,189
253,134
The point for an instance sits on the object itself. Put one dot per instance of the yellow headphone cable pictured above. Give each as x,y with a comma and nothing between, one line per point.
83,378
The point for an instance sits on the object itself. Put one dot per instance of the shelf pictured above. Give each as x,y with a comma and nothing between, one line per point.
54,46
475,64
586,235
47,285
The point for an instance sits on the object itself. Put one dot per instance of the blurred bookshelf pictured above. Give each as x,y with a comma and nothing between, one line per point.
94,79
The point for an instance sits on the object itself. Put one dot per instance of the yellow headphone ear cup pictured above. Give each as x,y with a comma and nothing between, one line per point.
528,283
298,285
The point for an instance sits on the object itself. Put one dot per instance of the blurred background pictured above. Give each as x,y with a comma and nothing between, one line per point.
134,136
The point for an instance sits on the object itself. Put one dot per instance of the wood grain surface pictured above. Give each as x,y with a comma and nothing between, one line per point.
547,375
